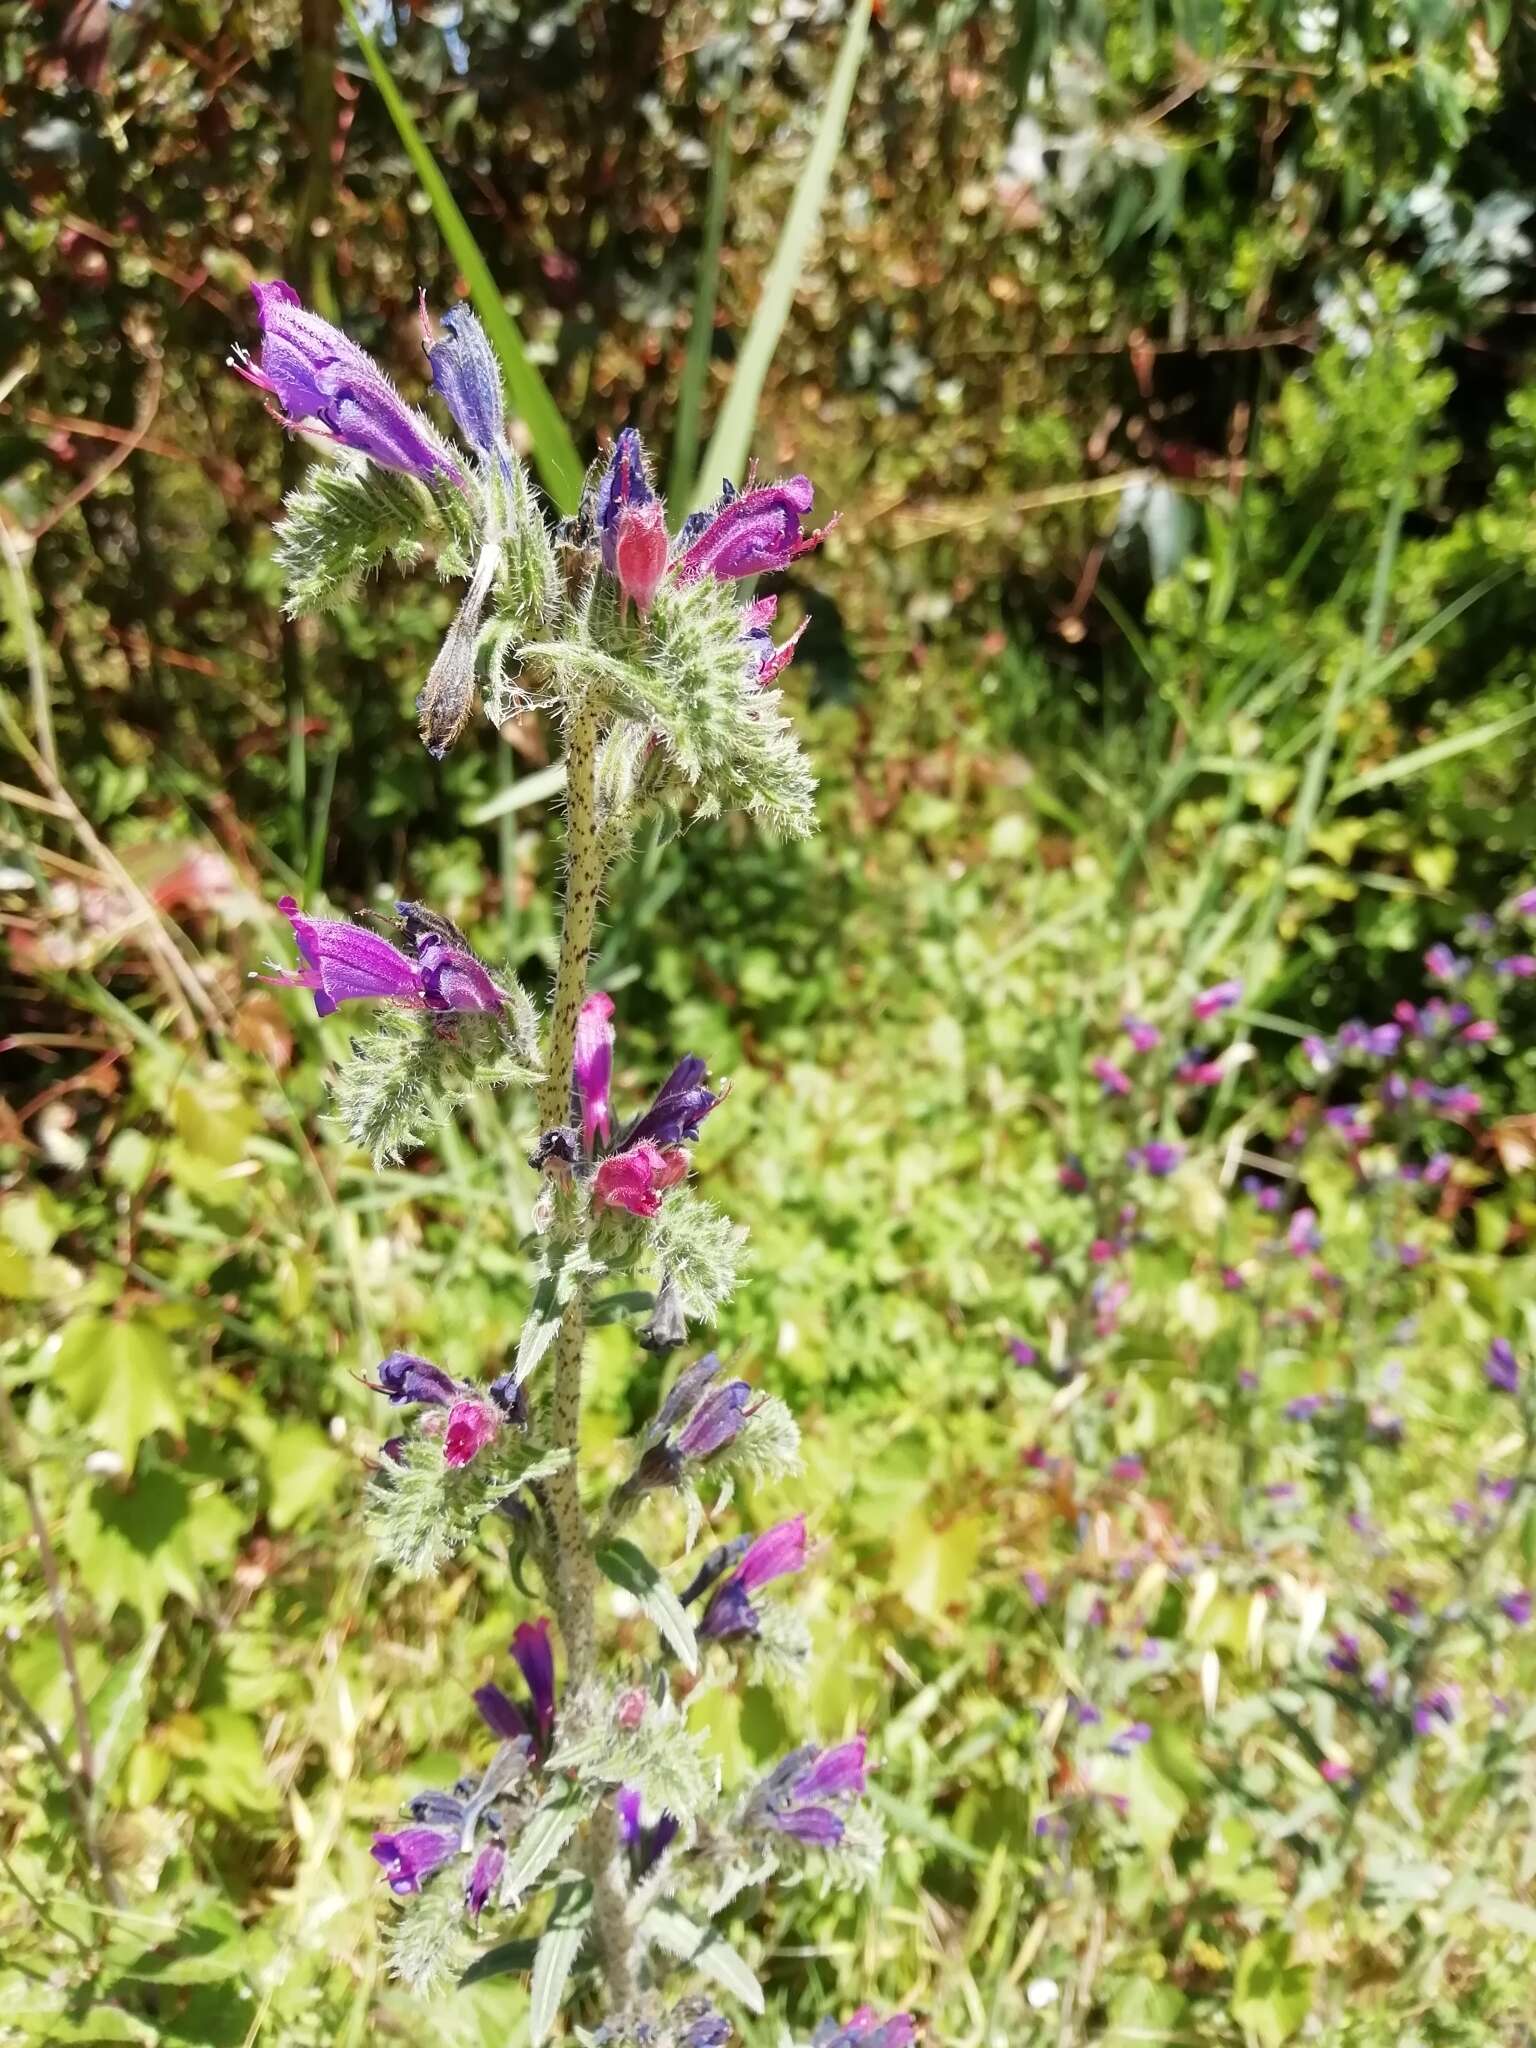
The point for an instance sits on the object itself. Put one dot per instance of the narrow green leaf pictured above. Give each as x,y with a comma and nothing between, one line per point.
519,795
554,452
1415,763
549,1829
120,1710
727,452
506,1959
702,1949
559,1946
629,1568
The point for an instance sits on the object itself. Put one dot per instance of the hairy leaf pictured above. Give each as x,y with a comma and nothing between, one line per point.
415,1068
628,1566
702,1249
341,524
702,1949
559,1946
419,1511
551,1825
428,1944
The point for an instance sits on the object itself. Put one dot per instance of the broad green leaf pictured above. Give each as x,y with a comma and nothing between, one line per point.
506,1959
554,452
1271,1995
121,1379
727,452
702,1949
303,1470
629,1567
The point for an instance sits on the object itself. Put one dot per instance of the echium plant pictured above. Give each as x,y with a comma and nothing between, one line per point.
589,1834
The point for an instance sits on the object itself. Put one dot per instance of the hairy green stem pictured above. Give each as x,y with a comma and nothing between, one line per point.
575,1574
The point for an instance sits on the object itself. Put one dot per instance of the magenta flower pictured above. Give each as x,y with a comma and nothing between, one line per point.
1144,1037
1212,1001
637,1179
640,555
411,1854
1302,1237
773,1555
593,1068
322,380
752,533
484,1876
1157,1158
1198,1072
1516,1607
1112,1079
1524,905
1438,1705
471,1426
346,963
1518,966
536,1660
1442,964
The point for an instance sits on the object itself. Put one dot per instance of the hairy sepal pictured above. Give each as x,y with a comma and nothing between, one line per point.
701,1248
428,1944
416,1068
660,1758
341,525
419,1511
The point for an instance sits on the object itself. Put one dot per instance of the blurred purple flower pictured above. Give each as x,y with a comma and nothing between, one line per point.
1517,967
1444,965
411,1854
1438,1705
1112,1079
1500,1367
1157,1158
405,1378
1516,1606
1143,1036
866,2030
1212,1001
484,1876
777,1552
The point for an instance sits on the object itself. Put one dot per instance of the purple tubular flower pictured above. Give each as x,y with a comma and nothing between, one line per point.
1344,1657
646,1845
1518,966
467,378
777,1552
1212,1001
716,1421
817,1825
709,2030
681,1105
1024,1355
406,1378
1500,1367
1516,1607
625,482
536,1660
765,660
484,1876
451,980
753,534
686,1392
1144,1037
320,378
499,1714
593,1066
411,1854
344,963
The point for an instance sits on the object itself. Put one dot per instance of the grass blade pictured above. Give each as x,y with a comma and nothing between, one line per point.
1403,765
682,475
554,452
727,452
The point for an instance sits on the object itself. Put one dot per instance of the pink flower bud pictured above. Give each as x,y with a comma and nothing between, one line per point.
641,551
630,1710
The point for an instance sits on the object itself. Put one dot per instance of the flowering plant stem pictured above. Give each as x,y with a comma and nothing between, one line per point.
574,1572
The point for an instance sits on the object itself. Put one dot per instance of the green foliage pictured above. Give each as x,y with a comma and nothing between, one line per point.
420,1511
410,1073
340,527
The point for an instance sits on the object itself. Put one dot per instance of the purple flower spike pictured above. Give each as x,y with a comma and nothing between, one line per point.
471,1426
716,1421
484,1876
536,1660
467,377
405,1378
1500,1367
412,1854
344,963
323,380
681,1105
1212,1001
499,1714
753,534
593,1067
625,482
